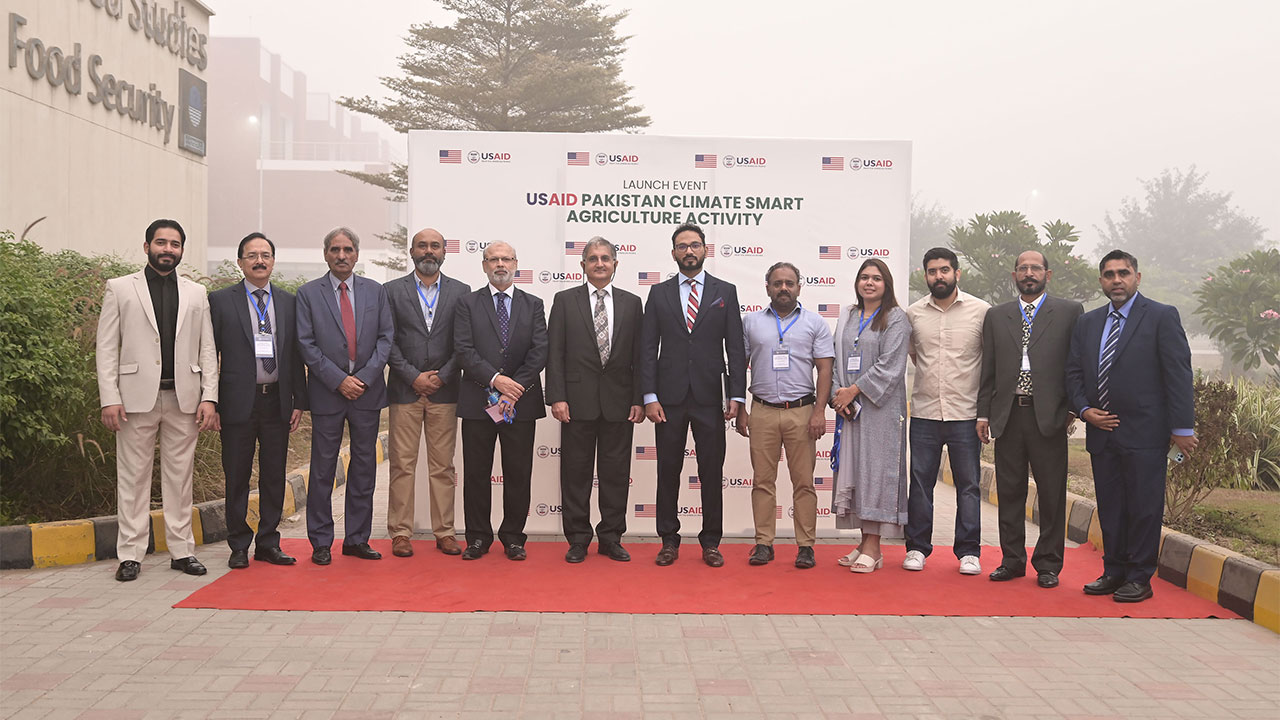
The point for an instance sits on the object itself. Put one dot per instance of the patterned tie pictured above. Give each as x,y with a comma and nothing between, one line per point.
268,364
1108,355
504,319
602,327
348,320
1024,376
691,311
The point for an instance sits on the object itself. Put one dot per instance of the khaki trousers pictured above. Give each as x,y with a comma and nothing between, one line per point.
407,423
772,429
135,458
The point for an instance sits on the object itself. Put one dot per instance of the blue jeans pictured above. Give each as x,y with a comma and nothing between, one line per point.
961,440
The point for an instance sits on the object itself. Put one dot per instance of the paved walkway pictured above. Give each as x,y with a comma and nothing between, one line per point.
74,643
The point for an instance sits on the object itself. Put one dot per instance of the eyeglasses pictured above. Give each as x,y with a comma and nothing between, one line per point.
682,247
257,256
505,260
1030,269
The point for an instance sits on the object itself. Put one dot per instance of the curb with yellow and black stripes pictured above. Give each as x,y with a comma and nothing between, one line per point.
70,542
1236,582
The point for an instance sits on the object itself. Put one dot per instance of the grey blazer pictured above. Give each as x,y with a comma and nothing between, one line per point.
415,350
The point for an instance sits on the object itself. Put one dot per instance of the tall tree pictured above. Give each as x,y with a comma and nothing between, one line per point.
1240,305
989,245
506,65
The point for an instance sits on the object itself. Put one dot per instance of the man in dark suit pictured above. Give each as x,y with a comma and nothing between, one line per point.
691,324
345,335
263,391
1022,403
423,391
595,344
501,338
1129,377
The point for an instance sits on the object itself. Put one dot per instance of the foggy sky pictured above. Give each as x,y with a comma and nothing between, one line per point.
1073,100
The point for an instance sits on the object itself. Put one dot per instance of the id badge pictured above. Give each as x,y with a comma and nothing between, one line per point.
854,364
1026,361
781,359
262,346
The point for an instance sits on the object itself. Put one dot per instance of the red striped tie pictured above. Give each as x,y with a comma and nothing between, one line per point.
691,312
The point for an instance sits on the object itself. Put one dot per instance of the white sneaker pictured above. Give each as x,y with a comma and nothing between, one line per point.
969,565
913,561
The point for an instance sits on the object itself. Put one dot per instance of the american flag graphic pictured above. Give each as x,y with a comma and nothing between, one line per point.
829,310
704,161
828,252
649,278
834,162
695,483
778,515
711,250
451,156
831,425
646,452
647,510
523,277
452,246
574,248
823,483
579,158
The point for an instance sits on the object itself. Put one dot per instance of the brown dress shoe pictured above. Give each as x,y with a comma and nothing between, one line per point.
401,547
448,545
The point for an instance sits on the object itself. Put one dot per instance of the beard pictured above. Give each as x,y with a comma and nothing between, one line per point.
942,289
692,262
163,262
1031,287
428,265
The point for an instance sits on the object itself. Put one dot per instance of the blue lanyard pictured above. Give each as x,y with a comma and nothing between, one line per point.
863,323
781,331
432,304
262,312
1030,320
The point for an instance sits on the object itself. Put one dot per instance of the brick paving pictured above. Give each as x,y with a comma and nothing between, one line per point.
74,643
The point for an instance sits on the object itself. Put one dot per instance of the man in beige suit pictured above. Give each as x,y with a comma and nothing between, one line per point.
157,373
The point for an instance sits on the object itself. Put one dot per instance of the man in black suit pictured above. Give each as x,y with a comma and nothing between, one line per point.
1129,377
1022,403
691,324
501,338
263,393
423,392
595,344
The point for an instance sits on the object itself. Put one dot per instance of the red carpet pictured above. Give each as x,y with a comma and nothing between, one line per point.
432,582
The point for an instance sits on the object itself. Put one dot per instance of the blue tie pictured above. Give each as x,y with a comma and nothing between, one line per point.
1108,355
504,320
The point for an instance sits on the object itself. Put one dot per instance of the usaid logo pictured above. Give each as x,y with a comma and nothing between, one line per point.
750,308
629,249
615,159
474,246
495,479
739,483
544,509
855,252
823,454
742,161
546,451
475,156
690,453
689,510
546,277
744,251
856,164
820,280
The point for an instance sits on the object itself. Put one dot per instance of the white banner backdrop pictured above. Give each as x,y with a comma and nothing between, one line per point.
824,205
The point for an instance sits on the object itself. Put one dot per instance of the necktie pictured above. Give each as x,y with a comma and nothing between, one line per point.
433,291
268,364
1024,376
504,319
602,327
691,311
348,320
1108,355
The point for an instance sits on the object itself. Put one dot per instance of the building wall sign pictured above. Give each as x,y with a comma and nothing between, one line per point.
193,93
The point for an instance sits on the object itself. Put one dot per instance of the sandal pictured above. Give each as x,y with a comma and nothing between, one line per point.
864,564
847,560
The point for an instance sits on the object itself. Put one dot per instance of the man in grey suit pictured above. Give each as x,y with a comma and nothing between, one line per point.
1022,403
423,392
345,335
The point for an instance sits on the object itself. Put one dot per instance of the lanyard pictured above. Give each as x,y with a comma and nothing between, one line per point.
863,323
1032,319
262,312
431,306
781,331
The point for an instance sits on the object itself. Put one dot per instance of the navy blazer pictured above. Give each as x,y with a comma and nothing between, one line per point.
481,355
233,332
323,343
676,362
1150,381
416,350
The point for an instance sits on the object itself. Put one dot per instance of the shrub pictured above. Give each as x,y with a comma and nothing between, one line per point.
1258,414
1221,459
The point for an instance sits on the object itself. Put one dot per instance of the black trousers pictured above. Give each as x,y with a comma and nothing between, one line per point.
1129,485
605,446
1020,445
268,434
707,422
478,438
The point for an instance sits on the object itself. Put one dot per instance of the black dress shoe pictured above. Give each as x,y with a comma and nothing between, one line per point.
128,570
667,555
1047,579
712,557
362,551
273,555
614,551
1003,574
475,550
516,552
577,553
1104,585
188,565
239,560
321,556
760,555
1132,592
804,558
